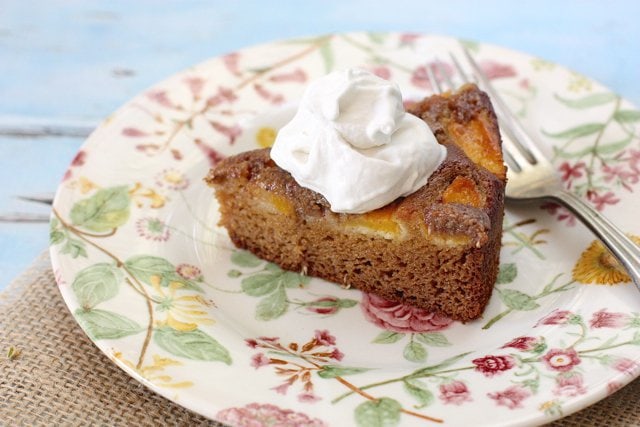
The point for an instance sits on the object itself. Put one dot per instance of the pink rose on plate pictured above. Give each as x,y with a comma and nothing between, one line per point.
511,398
496,70
398,317
562,360
323,337
525,343
336,355
441,72
570,385
324,305
381,71
455,392
308,397
256,414
282,388
613,386
409,39
607,319
556,317
258,360
492,365
626,365
297,76
195,85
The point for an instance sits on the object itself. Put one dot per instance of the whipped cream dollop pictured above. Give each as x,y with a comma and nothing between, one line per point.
352,141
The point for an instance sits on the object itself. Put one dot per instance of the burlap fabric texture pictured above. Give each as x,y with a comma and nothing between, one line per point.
61,378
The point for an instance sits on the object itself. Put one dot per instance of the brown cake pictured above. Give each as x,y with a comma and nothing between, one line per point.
436,249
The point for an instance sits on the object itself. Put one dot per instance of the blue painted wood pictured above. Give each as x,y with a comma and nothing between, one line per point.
69,61
28,167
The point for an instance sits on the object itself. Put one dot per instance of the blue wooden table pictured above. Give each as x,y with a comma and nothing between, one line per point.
64,65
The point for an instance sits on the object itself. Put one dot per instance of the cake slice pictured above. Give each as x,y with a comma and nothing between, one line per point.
437,249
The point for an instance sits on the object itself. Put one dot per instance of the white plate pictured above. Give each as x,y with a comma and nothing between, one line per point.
159,288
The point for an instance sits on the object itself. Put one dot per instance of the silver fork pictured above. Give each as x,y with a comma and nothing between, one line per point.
18,217
531,177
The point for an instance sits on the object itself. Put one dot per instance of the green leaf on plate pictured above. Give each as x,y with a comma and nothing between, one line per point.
96,284
573,154
414,352
234,273
388,337
245,259
294,280
74,247
420,391
106,325
143,267
434,339
470,45
577,132
347,303
613,147
104,211
507,273
326,51
440,366
627,116
274,268
56,237
383,412
332,371
272,306
588,101
146,267
271,283
377,38
517,300
195,345
260,284
609,342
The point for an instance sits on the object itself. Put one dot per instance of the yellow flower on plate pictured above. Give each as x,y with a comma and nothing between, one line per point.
139,194
597,265
155,371
579,83
84,185
184,312
266,136
540,64
551,407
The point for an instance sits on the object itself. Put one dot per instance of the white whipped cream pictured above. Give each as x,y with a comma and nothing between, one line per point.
352,142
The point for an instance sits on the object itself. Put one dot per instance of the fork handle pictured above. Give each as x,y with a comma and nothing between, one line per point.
620,246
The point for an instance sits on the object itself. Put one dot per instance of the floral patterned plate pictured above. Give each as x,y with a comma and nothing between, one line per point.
160,289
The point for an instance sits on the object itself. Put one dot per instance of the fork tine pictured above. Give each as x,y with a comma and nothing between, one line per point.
444,73
463,75
23,217
521,140
46,199
513,155
432,79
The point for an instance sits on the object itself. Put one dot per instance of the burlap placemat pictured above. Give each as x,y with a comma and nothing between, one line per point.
61,378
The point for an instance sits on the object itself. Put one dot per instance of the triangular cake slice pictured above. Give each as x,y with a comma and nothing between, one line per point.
437,249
